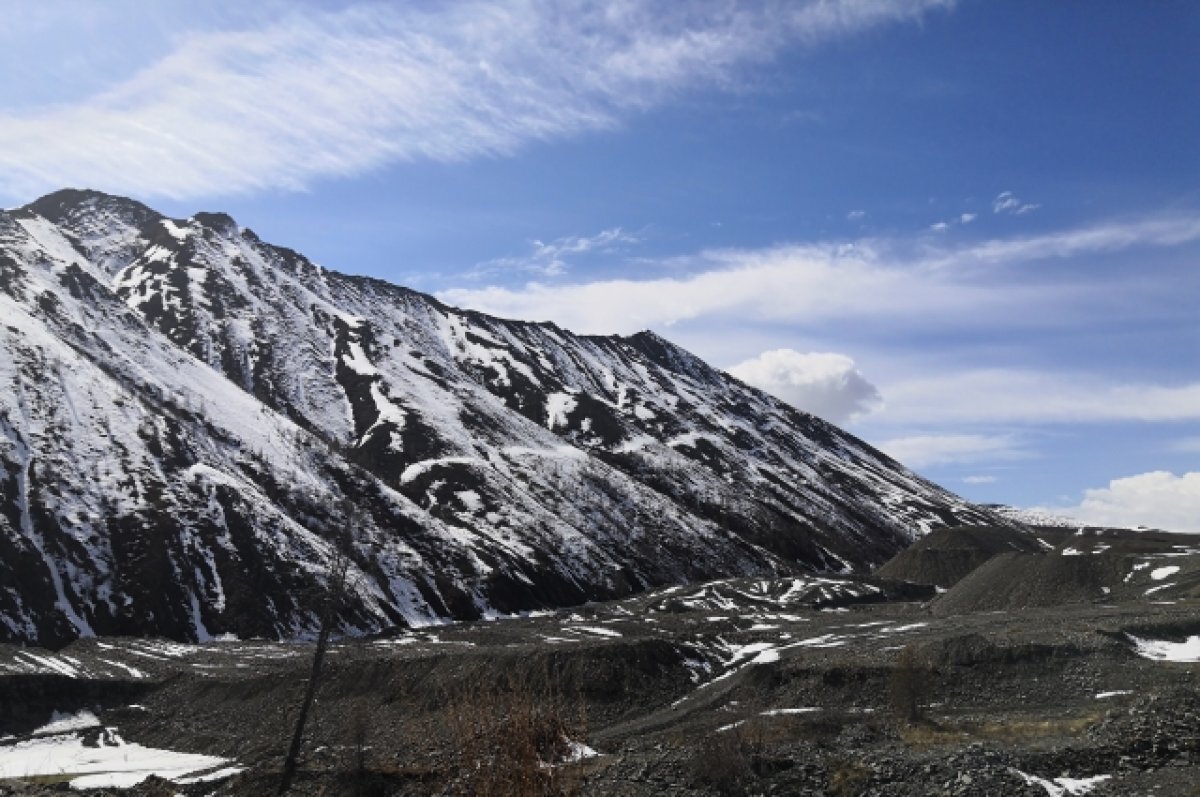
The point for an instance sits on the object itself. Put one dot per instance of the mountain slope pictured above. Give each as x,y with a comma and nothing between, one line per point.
194,423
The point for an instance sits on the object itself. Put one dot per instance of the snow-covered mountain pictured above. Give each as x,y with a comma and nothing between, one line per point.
193,424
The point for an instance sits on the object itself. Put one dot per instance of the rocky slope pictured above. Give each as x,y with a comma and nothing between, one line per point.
195,425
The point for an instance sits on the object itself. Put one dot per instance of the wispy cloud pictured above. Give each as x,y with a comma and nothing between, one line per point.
1007,202
856,215
551,259
1160,231
979,479
312,95
922,451
809,283
1187,445
998,395
870,281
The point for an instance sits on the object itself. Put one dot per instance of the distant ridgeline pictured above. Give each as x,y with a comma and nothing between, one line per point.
187,412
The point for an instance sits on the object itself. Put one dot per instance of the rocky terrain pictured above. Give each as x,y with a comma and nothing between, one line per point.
195,425
809,684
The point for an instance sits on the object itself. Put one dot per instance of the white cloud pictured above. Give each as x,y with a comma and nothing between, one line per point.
1158,499
825,384
550,259
942,226
1027,396
1007,202
870,282
856,215
339,93
923,451
979,479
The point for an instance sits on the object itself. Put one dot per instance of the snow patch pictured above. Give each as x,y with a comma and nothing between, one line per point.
1064,785
558,407
62,723
1158,574
1164,650
114,764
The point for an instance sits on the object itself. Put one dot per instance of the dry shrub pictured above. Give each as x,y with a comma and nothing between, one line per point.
727,762
847,778
907,685
510,733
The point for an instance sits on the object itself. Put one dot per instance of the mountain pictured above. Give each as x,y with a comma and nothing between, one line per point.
196,426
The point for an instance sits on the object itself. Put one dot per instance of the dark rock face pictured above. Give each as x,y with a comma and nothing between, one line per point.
194,424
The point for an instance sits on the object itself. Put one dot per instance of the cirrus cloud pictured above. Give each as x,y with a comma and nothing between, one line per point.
923,451
281,102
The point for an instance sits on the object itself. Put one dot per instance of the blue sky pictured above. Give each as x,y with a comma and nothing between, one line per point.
967,231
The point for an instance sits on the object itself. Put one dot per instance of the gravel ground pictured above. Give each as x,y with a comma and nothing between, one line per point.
795,686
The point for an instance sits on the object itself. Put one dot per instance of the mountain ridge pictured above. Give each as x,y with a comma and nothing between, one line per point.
189,412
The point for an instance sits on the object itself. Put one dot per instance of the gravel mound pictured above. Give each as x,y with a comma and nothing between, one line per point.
945,556
1024,580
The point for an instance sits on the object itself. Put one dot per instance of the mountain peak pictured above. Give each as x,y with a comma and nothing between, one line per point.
222,223
70,203
203,418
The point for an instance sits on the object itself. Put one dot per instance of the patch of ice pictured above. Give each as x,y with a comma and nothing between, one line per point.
1159,573
1113,693
779,712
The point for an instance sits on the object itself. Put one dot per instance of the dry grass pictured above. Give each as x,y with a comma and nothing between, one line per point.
1007,731
848,778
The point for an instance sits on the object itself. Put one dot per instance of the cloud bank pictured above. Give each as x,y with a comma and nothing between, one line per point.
339,93
1158,499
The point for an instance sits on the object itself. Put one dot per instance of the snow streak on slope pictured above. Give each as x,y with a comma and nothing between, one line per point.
195,424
